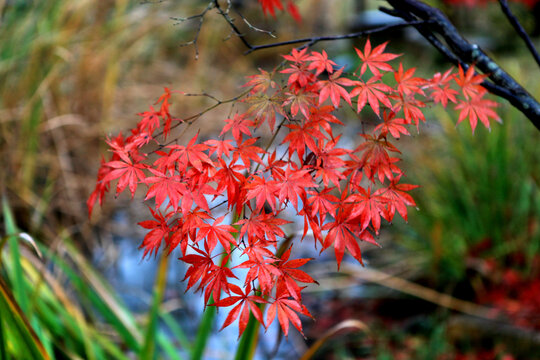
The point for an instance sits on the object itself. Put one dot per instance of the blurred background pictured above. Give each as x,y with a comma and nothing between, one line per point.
72,73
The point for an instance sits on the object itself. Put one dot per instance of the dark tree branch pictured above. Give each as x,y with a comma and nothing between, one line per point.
199,26
230,21
436,22
437,44
519,29
435,27
310,41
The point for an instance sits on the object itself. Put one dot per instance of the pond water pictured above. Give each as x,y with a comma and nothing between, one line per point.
134,280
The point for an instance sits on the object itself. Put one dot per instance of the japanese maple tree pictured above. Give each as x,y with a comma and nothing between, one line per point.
342,195
228,196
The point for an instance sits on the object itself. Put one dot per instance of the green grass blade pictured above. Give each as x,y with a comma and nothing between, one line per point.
17,275
3,347
248,342
246,347
168,347
177,331
97,296
205,329
102,297
149,347
20,329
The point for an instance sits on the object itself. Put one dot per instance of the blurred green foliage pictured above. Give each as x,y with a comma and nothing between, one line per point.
478,190
61,64
54,304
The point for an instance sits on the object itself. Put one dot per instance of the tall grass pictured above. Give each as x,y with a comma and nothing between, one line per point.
58,306
60,67
480,188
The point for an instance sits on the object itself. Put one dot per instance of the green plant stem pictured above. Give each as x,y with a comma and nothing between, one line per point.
3,351
149,347
205,329
250,337
13,242
248,341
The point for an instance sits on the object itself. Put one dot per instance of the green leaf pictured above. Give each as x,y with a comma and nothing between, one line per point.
149,347
21,333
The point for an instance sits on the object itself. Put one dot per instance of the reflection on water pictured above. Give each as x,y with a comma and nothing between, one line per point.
134,278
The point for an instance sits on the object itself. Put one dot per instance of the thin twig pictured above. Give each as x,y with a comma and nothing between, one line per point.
205,95
253,27
230,21
191,119
519,29
310,41
270,142
199,26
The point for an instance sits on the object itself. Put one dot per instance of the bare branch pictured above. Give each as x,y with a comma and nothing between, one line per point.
519,29
310,41
458,48
254,28
199,26
230,21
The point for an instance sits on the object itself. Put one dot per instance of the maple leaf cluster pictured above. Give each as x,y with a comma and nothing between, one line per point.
343,195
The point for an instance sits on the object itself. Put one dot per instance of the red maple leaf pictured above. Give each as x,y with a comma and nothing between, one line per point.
322,202
201,265
397,198
469,82
165,186
439,84
392,125
286,310
248,152
216,281
294,185
159,231
329,162
164,111
229,177
248,304
127,173
262,226
368,208
406,83
289,274
264,108
332,88
297,56
476,108
214,233
302,136
372,91
320,62
260,82
262,271
341,235
193,154
263,191
301,100
220,147
149,121
238,125
375,60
